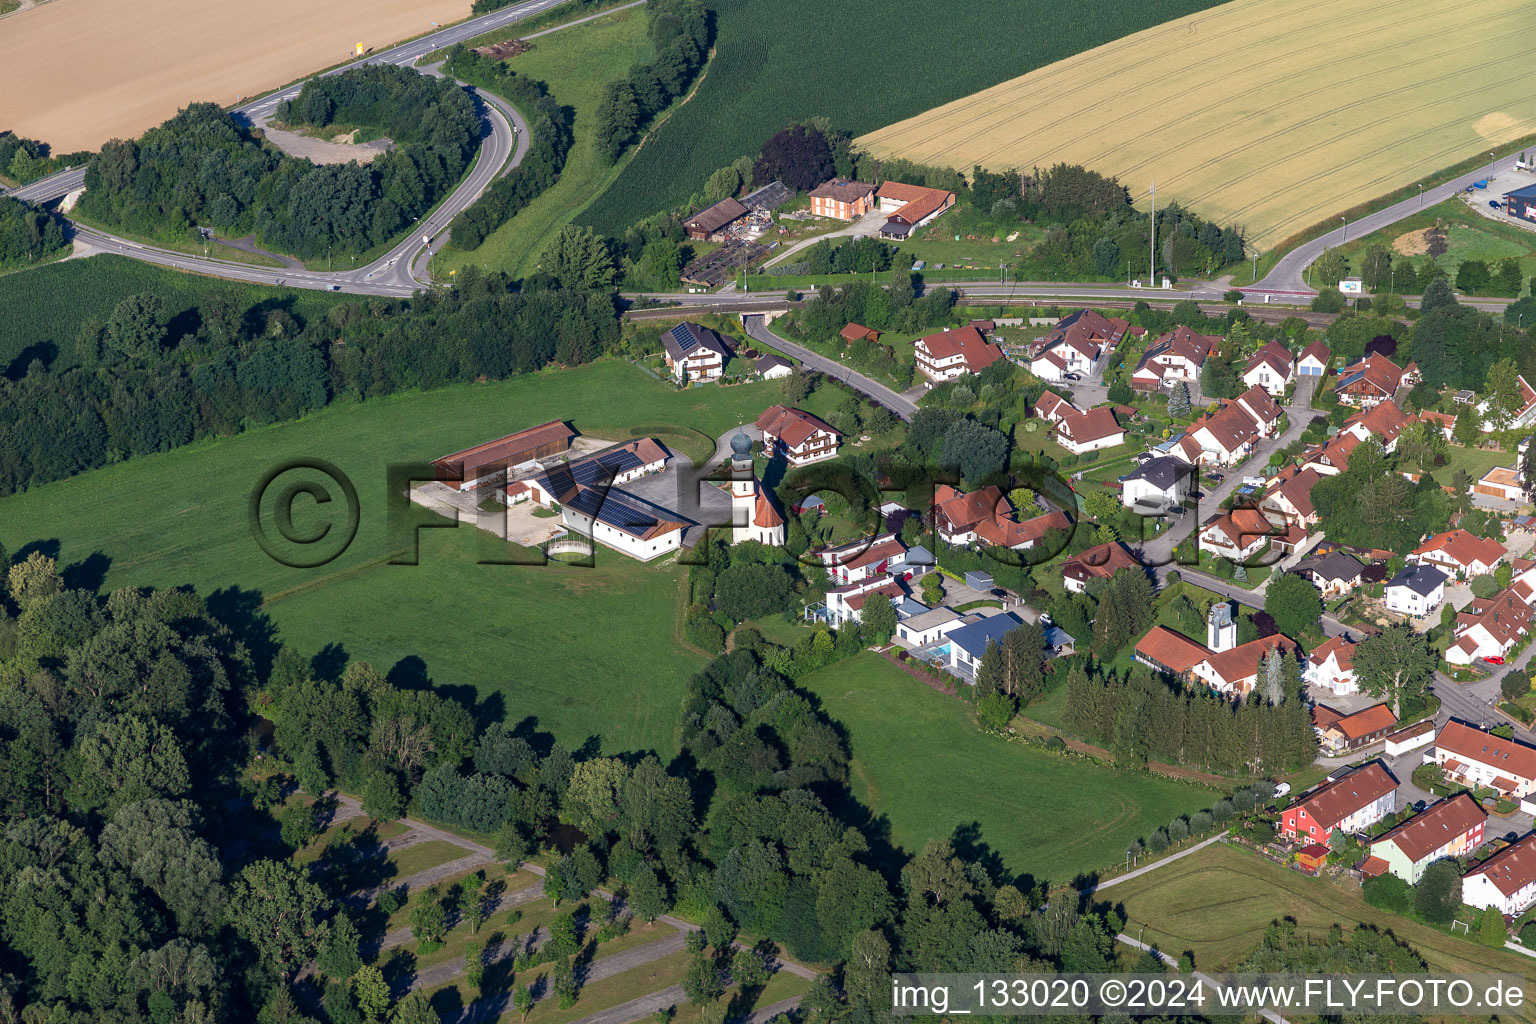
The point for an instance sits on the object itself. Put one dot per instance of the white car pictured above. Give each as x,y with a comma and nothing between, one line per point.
1282,789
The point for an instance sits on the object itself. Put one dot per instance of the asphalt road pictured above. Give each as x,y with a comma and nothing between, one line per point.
1287,276
892,400
396,272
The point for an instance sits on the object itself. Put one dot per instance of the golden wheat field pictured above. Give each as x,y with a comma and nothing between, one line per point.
1271,114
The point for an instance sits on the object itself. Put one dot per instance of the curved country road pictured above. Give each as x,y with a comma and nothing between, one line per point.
892,400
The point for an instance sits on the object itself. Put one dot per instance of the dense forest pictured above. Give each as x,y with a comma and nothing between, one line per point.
150,378
128,723
680,31
205,168
28,234
549,129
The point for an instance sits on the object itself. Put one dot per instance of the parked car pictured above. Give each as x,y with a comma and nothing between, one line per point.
1496,659
1072,376
1494,203
1282,789
1480,184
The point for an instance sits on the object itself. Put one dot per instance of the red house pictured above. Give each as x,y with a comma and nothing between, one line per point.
1349,803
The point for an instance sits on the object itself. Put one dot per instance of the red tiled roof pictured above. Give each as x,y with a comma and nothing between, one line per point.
1298,492
1512,868
765,515
1171,648
1342,650
1324,716
1259,403
962,341
963,511
1230,426
792,426
1373,867
1469,744
1241,662
1052,404
1275,354
1383,420
1093,425
1333,802
1318,350
858,332
511,449
920,200
1101,561
1463,548
1423,834
1004,532
1241,526
1375,718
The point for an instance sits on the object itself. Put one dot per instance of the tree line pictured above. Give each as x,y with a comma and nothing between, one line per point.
25,160
549,143
151,377
28,234
205,168
680,31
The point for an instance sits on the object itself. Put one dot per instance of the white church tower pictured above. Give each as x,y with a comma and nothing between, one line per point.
753,516
1221,628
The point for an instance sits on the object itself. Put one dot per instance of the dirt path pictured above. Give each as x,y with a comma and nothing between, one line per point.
400,936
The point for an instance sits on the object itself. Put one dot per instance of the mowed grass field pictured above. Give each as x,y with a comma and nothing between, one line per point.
586,651
920,761
859,63
79,73
1218,901
1268,114
576,63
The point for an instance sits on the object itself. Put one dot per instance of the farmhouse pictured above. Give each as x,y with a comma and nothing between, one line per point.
709,224
488,463
1417,590
910,207
954,353
1176,356
1373,379
1451,827
1488,628
1221,663
622,521
797,437
1334,574
1506,881
1332,667
1339,734
694,352
1350,803
842,199
1314,360
1238,534
1272,368
1459,552
1156,485
560,483
1080,432
1476,758
1099,562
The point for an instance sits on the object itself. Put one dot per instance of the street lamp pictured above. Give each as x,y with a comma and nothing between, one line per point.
1344,231
1421,197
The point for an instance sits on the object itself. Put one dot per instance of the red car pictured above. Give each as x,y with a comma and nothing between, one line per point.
1495,660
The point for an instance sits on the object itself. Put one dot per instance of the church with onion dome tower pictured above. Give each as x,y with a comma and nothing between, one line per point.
753,515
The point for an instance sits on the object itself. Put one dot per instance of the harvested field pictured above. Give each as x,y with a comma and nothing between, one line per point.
1265,113
76,73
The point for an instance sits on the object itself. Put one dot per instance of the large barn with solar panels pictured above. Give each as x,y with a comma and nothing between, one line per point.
593,504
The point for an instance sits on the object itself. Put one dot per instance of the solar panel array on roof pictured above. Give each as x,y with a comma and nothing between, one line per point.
613,510
593,472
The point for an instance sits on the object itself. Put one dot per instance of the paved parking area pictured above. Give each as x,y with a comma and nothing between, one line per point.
516,523
1508,181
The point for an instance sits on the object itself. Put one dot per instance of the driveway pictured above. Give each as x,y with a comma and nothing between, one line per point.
869,224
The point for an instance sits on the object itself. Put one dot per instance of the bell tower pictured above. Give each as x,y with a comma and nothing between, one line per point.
1221,628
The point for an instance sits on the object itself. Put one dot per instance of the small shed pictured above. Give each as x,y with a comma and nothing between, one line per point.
811,503
979,581
1312,858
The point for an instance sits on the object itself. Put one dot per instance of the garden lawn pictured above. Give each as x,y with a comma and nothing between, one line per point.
1476,461
576,63
920,761
1218,901
557,643
780,62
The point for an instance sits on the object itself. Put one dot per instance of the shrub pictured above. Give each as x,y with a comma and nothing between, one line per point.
1388,892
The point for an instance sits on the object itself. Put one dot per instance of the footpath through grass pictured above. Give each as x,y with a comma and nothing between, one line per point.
1218,901
919,760
576,63
553,642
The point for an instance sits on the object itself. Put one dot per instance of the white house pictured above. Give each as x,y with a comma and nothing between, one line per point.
1523,416
1075,344
1156,485
948,354
694,352
1080,432
846,604
1051,407
1417,590
1476,758
621,521
1502,483
1176,356
928,627
1458,551
1272,368
797,437
1314,360
1332,667
1261,409
968,643
1506,881
773,368
1489,628
853,563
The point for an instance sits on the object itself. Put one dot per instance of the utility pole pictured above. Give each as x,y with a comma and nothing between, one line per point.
1152,249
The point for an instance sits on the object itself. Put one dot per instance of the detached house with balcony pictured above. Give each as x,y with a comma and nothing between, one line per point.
1331,667
1370,381
1080,432
1417,590
1075,344
694,353
797,437
1506,881
952,353
1474,758
1239,534
1272,368
1176,356
1459,552
1350,803
1490,627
